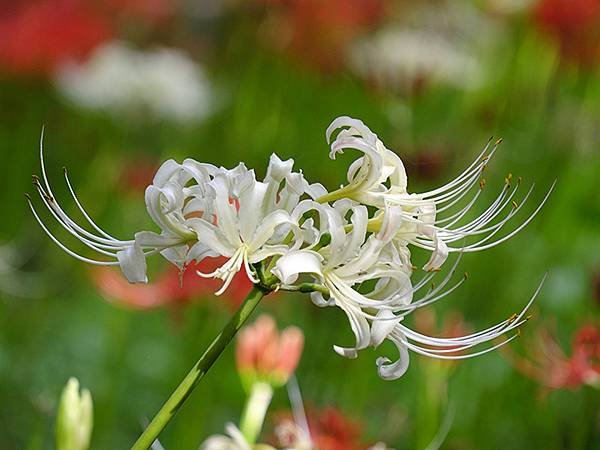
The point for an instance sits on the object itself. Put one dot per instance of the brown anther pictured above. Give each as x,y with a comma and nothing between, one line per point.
529,317
515,205
512,318
466,275
519,179
498,142
481,183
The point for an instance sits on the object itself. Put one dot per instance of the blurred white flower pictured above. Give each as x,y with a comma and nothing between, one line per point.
398,58
234,441
380,446
440,42
163,83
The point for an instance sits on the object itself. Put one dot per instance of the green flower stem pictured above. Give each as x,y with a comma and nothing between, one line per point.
212,353
255,411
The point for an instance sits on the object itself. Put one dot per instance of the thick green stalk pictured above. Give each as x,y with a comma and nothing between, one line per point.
212,353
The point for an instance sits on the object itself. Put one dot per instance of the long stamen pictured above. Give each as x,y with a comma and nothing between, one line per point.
508,236
62,246
479,162
424,352
483,336
47,183
86,215
100,248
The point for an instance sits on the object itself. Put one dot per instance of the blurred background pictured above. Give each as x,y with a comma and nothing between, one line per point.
121,85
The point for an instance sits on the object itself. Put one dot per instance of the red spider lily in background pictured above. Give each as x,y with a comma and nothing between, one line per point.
172,288
137,174
547,363
330,429
264,354
38,36
319,31
575,24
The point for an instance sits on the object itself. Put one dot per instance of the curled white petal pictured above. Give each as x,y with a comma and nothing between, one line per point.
133,264
291,265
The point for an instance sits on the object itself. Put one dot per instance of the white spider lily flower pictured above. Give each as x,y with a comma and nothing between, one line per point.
251,219
350,259
429,221
202,211
169,203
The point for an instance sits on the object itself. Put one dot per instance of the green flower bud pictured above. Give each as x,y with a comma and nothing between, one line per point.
74,422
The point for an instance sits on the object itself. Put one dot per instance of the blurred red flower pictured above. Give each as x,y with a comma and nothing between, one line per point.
171,288
319,31
36,36
330,429
137,174
548,364
576,26
264,354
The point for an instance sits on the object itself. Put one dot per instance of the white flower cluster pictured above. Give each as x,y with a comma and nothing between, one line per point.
349,248
397,58
162,83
